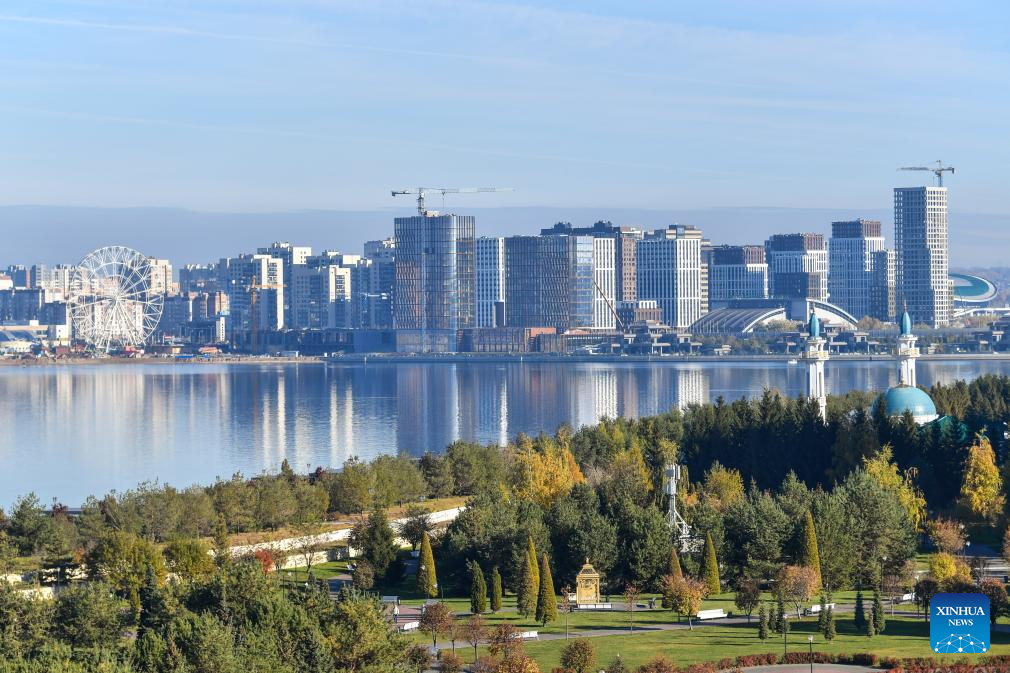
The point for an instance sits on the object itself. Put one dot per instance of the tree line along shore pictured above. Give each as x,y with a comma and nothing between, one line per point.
784,507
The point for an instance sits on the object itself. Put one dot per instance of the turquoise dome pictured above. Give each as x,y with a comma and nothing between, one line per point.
906,398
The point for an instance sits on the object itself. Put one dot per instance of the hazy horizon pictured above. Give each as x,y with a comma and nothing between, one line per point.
57,234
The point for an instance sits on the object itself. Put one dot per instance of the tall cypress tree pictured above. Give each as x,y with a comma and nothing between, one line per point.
710,570
762,623
879,619
780,614
495,590
427,580
478,589
810,555
547,601
829,626
859,616
526,596
534,564
675,568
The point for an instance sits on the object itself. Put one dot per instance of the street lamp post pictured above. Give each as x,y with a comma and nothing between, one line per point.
810,644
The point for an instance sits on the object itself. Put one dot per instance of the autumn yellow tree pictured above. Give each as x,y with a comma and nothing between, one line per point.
882,469
982,490
542,470
723,485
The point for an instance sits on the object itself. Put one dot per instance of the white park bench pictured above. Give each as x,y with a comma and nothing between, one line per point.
395,600
816,609
410,626
530,635
710,614
596,606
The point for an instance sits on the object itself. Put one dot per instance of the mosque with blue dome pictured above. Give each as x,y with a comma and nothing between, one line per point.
905,396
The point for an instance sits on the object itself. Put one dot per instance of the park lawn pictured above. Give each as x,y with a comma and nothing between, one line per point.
902,637
321,571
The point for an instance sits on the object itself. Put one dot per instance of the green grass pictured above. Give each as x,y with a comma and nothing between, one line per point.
903,637
321,571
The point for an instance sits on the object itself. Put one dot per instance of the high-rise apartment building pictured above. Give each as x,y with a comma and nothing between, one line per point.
434,272
737,272
625,251
254,282
373,291
320,296
921,253
797,266
560,281
882,286
490,283
852,254
162,281
669,271
291,255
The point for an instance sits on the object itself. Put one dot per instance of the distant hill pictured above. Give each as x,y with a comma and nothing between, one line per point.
52,234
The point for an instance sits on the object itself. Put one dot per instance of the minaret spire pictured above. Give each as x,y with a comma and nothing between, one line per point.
815,355
907,353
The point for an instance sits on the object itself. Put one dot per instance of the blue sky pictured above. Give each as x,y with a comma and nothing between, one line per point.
267,105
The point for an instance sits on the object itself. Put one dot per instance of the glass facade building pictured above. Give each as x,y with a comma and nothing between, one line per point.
434,272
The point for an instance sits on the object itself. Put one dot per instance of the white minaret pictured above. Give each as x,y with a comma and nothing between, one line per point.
907,353
815,355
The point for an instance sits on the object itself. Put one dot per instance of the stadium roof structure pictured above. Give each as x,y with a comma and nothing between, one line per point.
743,316
972,290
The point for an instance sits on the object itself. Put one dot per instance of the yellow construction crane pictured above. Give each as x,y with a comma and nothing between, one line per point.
423,192
937,170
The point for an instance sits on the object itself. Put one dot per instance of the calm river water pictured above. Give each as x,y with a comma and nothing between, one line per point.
71,431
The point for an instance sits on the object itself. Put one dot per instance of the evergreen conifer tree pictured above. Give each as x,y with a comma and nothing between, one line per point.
710,569
675,568
495,590
762,623
478,589
822,616
526,597
534,563
859,616
871,630
427,580
879,618
547,600
829,626
810,555
780,614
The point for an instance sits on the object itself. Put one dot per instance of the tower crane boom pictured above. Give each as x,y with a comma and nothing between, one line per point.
938,170
423,192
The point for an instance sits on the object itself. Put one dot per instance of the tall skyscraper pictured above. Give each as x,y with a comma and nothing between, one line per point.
490,284
625,251
921,254
882,288
374,298
797,266
737,272
434,272
669,271
560,281
852,256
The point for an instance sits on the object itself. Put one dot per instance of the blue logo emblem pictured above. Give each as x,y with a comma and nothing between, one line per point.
959,623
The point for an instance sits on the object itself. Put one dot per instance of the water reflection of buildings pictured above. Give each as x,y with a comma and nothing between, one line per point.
71,431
